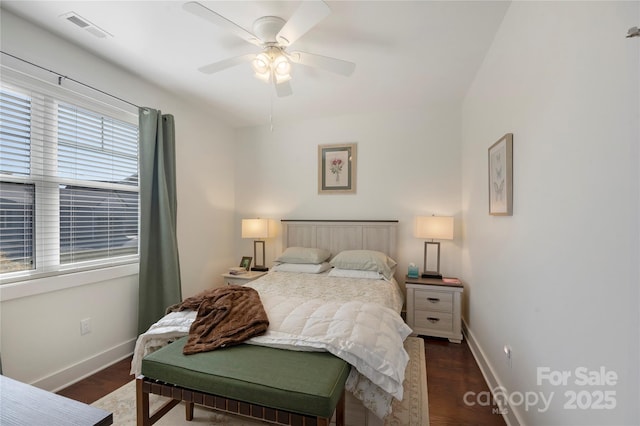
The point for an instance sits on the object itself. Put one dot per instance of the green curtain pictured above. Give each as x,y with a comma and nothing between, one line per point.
159,277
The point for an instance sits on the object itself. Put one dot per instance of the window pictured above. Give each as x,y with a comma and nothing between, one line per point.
68,185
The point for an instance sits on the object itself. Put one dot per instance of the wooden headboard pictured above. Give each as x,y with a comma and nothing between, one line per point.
338,235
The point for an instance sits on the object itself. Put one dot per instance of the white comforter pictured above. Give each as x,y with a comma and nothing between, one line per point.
340,318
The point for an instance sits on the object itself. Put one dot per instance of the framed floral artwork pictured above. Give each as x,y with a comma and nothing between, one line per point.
501,177
337,169
246,262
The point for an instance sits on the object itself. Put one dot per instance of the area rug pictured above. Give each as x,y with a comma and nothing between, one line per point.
412,410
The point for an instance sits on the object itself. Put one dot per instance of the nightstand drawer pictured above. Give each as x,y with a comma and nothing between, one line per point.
433,320
429,300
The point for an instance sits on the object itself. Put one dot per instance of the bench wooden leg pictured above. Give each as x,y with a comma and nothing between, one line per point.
142,405
188,406
340,410
143,416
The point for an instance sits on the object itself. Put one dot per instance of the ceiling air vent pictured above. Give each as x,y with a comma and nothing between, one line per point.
85,24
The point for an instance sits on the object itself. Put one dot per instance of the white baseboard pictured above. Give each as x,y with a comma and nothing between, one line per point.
509,415
85,368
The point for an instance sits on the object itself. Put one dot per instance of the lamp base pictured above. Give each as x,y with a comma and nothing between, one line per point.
431,275
260,268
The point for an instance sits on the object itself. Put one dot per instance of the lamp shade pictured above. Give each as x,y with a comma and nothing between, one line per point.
255,228
434,227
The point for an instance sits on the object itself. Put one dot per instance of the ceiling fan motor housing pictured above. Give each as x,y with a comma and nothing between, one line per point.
267,28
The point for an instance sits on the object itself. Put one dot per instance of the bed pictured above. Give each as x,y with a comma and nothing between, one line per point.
351,310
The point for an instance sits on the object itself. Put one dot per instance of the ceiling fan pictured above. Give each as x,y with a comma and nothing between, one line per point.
274,36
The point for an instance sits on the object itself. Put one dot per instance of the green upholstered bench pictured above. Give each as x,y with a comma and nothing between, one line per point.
280,386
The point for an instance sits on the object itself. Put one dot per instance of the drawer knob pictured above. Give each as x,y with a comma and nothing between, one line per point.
433,319
433,299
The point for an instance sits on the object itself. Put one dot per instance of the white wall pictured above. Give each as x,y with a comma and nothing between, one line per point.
408,164
41,340
557,281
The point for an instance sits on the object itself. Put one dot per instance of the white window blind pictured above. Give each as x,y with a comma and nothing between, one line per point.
15,125
69,186
17,200
17,203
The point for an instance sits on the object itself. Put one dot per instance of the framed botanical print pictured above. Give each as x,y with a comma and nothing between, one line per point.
501,176
337,169
246,262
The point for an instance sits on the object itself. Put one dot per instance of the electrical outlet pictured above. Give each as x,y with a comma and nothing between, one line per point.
507,353
85,326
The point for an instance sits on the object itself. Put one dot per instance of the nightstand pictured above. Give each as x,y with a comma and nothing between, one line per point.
241,279
434,308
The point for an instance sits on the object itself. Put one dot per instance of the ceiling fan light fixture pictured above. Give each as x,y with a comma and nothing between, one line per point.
282,69
261,64
272,65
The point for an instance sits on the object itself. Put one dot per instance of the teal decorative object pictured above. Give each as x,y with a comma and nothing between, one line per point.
413,271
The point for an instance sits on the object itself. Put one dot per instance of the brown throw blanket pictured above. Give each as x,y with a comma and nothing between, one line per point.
226,316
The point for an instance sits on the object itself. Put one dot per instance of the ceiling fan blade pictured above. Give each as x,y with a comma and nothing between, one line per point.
227,63
217,19
283,89
308,14
327,63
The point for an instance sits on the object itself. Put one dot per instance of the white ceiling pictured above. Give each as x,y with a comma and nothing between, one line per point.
407,54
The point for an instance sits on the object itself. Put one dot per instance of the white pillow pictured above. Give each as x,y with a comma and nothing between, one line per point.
355,273
365,260
303,255
307,268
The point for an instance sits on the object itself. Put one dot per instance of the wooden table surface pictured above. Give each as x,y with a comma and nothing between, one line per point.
23,404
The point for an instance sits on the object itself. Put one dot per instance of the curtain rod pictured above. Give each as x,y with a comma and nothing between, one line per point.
64,77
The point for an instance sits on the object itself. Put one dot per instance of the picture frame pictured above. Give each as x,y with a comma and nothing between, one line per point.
501,176
246,262
337,168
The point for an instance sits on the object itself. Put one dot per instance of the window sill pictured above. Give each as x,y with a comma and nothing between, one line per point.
60,282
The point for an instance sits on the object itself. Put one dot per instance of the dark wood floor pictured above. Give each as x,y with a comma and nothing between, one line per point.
451,373
104,382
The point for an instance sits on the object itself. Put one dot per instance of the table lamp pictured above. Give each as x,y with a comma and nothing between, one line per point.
256,229
433,228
